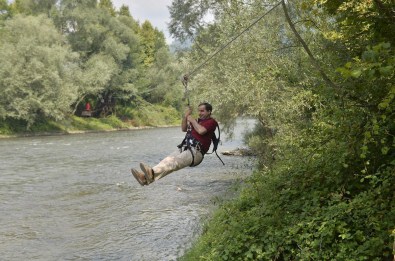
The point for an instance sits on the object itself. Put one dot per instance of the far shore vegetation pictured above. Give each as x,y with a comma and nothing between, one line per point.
152,116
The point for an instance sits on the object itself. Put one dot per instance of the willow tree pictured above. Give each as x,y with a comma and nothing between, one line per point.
108,46
38,71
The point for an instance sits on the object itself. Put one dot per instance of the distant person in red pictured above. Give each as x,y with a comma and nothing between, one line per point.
87,106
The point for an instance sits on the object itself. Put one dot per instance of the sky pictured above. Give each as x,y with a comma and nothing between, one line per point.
155,11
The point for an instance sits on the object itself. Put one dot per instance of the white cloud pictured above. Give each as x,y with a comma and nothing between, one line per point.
155,11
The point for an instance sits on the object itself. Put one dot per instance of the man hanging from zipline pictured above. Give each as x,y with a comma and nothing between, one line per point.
199,136
197,141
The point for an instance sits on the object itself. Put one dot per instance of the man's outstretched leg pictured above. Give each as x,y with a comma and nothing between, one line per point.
174,162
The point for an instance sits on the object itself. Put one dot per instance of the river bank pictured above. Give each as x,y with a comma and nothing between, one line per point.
72,124
71,132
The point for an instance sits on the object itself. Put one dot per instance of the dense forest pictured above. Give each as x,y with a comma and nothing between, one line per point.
318,75
58,55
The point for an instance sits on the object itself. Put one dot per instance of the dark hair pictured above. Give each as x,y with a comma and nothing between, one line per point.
207,106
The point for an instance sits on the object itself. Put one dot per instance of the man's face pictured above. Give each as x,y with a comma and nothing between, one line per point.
203,113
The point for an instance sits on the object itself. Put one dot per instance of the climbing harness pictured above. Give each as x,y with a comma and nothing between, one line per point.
190,142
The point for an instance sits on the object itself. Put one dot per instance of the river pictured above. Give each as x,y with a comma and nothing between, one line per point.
72,197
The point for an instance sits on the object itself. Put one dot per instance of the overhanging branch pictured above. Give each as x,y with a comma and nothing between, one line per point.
306,48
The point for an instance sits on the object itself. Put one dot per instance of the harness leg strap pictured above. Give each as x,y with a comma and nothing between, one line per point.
193,157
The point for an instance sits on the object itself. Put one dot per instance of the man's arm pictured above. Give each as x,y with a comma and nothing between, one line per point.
184,123
198,128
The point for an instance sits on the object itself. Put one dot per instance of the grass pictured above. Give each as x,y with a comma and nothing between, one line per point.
127,118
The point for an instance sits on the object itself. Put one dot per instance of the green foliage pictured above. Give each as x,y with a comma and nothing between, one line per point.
124,10
281,217
152,41
93,53
187,17
31,7
324,188
69,124
119,55
86,124
11,126
361,21
4,10
107,5
146,114
303,212
37,70
162,87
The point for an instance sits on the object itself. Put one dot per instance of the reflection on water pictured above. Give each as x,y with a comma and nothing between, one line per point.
73,197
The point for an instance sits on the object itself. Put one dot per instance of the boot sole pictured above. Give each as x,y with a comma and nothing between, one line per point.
136,176
149,178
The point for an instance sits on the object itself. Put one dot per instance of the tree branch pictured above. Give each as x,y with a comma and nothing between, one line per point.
306,48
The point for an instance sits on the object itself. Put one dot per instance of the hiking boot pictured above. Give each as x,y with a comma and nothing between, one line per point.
148,172
140,177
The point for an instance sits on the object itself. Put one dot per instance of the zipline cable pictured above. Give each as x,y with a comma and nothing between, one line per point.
186,77
228,43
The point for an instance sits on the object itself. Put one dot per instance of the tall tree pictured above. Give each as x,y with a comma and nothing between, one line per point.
37,72
148,35
107,5
124,10
105,43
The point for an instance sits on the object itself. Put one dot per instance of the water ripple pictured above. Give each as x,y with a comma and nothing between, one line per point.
74,198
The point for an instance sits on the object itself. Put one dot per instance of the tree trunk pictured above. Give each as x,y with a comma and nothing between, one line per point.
78,102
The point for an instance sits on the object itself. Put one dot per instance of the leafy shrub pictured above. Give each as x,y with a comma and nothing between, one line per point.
146,114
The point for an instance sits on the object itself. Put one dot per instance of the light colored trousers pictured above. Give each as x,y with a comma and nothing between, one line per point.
177,160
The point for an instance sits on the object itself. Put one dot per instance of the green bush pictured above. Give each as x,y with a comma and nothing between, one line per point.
278,216
12,126
127,117
146,114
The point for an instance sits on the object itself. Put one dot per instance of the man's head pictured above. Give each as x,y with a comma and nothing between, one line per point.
205,110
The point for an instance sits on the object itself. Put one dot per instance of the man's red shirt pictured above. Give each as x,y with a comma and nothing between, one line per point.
210,124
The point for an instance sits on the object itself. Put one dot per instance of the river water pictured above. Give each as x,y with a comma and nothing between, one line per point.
73,197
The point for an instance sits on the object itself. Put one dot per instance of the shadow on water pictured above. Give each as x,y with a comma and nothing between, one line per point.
73,197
